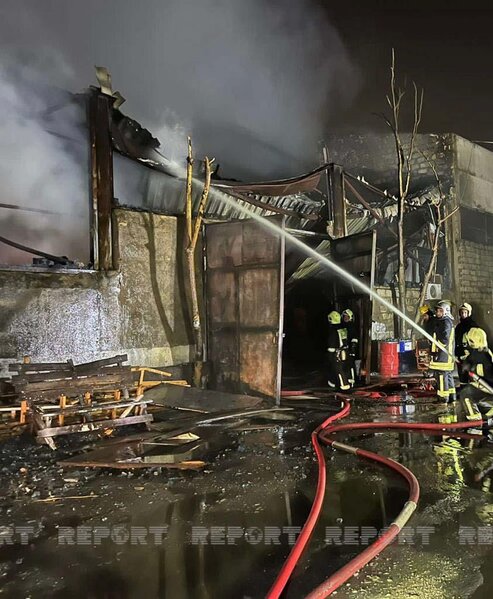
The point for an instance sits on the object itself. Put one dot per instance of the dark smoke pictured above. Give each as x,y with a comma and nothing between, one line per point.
254,81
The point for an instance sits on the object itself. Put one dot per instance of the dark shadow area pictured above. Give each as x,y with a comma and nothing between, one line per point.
153,266
307,304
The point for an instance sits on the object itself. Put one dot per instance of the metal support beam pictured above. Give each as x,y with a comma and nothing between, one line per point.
328,204
101,178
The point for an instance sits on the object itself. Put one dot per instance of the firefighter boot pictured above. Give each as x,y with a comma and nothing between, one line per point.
472,412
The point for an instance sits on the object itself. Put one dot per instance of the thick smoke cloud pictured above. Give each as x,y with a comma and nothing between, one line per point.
43,164
254,82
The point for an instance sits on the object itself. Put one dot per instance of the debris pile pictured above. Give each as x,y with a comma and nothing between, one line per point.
82,393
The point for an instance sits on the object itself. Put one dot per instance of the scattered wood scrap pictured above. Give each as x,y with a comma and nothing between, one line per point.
49,423
52,499
153,452
163,378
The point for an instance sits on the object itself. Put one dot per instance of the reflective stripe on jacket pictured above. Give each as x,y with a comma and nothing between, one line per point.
444,334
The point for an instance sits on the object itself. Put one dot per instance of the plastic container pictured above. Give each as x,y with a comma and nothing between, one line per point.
404,346
389,359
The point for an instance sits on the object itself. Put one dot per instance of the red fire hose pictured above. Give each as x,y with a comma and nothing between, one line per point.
323,431
306,532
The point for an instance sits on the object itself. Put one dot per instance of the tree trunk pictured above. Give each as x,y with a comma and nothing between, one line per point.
197,329
401,267
193,231
431,266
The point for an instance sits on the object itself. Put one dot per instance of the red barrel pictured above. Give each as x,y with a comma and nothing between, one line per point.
389,359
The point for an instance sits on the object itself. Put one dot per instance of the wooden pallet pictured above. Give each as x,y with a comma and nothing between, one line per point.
37,382
81,393
49,422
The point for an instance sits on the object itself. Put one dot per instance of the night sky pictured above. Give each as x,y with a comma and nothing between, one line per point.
447,51
257,83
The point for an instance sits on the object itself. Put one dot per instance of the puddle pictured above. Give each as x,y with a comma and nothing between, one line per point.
229,528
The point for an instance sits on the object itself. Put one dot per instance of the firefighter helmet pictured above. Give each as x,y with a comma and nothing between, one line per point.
476,338
446,307
349,313
334,317
467,307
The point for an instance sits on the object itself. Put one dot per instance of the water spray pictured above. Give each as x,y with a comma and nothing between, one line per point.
324,431
233,203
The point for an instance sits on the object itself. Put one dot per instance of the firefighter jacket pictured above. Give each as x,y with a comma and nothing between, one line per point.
480,361
350,336
463,327
443,332
336,342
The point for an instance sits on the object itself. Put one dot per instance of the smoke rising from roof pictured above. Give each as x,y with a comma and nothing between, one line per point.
254,82
43,163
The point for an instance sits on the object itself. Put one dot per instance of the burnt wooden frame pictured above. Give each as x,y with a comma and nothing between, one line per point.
336,200
101,149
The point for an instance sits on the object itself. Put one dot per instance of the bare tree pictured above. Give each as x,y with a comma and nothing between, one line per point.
440,217
404,153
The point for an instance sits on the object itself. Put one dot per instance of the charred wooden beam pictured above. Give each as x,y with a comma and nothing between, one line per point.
100,106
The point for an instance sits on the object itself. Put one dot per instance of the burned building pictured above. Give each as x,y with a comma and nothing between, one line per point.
263,301
127,292
465,172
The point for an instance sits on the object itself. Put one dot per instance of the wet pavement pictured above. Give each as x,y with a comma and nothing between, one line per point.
225,531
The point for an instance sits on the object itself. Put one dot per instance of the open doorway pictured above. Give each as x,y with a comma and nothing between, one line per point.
311,292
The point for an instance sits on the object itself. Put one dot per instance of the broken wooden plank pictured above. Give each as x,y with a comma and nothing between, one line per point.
61,498
23,379
39,366
118,376
86,427
88,367
50,410
79,462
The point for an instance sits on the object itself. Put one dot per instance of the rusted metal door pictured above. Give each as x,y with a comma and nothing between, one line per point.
244,289
356,254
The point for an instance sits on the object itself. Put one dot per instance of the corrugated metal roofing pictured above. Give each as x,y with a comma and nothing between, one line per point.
145,188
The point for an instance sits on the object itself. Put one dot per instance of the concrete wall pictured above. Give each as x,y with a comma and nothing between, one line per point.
473,169
140,309
374,157
476,275
474,175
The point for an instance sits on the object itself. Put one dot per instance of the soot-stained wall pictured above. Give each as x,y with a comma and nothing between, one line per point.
139,309
466,173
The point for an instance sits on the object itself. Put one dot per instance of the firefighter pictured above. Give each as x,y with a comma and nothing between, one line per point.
337,353
442,362
352,344
465,324
428,319
479,362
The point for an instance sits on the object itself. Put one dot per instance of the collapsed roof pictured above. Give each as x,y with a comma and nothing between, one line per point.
161,185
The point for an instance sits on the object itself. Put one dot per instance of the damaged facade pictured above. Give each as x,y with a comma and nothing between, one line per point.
131,296
465,171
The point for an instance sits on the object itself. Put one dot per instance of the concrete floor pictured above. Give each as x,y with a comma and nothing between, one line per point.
260,480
